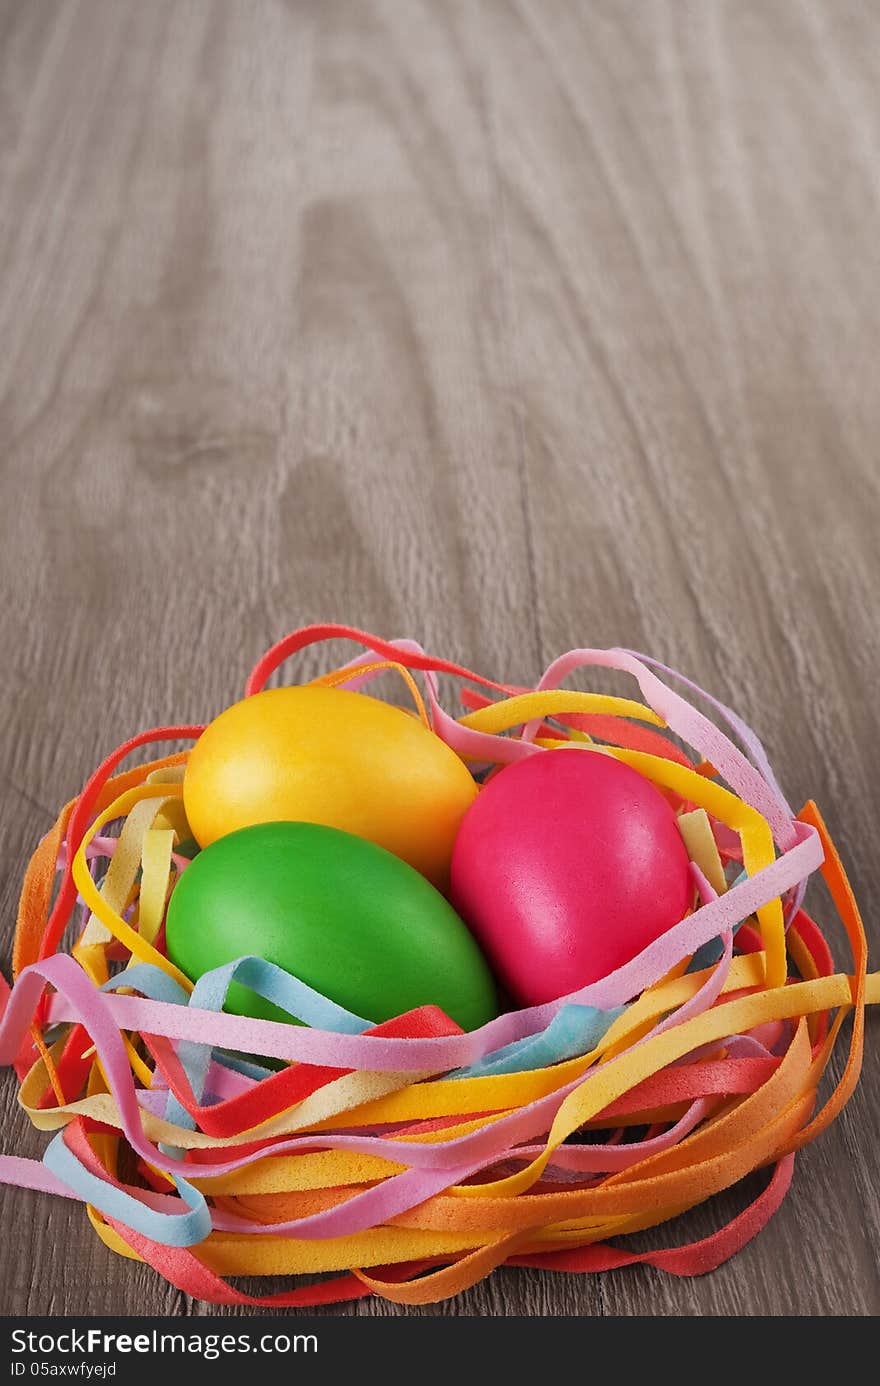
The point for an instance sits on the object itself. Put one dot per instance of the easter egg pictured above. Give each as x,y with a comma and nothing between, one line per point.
338,912
326,755
567,865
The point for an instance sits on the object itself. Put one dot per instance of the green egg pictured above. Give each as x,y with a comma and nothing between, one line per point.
350,919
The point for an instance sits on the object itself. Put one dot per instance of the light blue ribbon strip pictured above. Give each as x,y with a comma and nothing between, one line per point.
574,1030
712,951
273,984
171,1229
150,981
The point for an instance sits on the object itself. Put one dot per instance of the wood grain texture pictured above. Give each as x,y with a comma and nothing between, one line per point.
514,326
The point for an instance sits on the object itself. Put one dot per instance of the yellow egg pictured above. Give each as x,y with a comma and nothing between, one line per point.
326,755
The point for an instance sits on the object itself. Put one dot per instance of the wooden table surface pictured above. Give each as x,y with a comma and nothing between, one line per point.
508,326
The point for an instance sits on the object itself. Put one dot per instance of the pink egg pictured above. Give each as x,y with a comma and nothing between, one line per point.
565,867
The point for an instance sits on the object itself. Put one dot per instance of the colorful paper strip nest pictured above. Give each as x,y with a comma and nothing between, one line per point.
410,1159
